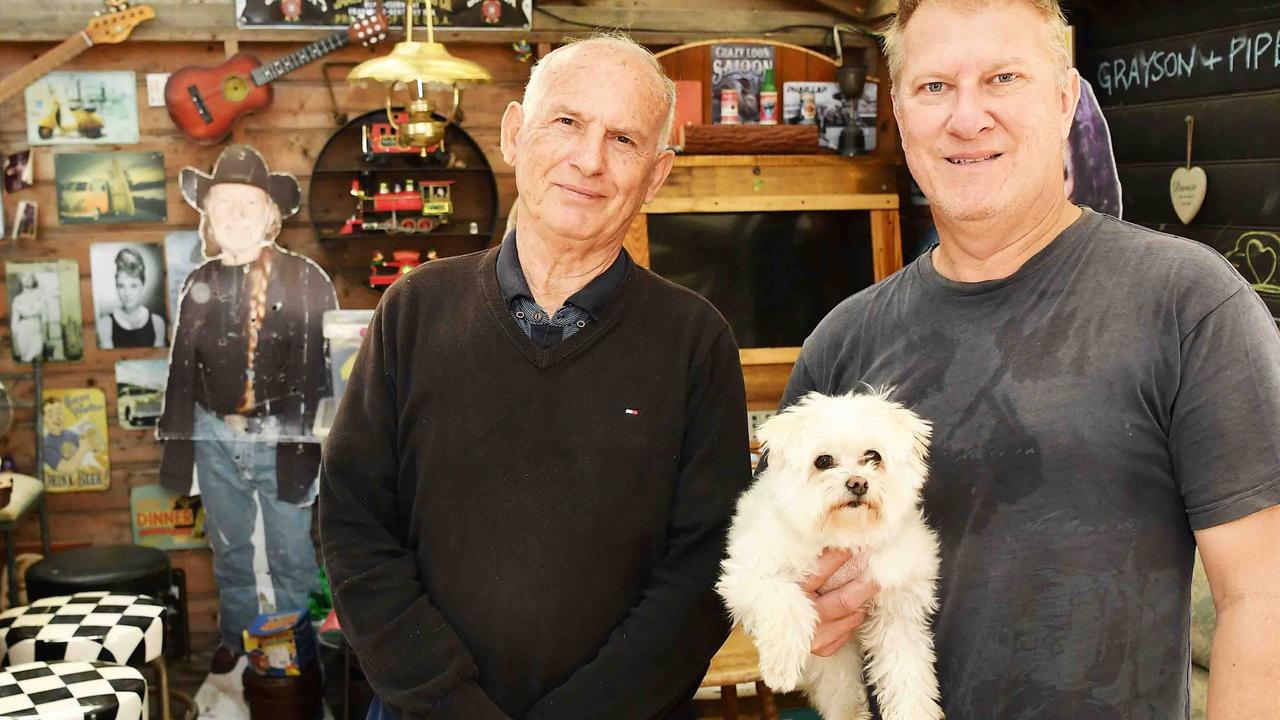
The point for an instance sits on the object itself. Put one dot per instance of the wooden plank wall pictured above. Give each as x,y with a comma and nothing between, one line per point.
289,134
1218,61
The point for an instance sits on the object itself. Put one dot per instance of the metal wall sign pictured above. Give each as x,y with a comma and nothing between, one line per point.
450,14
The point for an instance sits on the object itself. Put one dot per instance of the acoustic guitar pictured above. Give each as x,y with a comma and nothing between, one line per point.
109,28
205,103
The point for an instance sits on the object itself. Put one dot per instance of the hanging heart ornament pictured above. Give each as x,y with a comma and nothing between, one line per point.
1188,184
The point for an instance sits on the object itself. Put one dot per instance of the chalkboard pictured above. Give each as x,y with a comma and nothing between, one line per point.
1239,193
1238,127
1253,252
1218,62
1105,24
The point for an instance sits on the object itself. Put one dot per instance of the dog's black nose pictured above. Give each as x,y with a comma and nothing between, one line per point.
857,487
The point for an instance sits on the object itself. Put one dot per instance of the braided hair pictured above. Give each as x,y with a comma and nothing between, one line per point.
256,281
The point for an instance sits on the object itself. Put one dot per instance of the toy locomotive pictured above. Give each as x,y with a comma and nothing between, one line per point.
419,207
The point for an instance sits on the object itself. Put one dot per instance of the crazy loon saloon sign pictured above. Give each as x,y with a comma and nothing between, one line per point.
1219,61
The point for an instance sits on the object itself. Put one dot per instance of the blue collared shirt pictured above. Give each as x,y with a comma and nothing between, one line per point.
545,329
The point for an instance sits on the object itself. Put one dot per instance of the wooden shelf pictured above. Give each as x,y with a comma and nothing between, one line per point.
755,183
184,20
408,169
462,232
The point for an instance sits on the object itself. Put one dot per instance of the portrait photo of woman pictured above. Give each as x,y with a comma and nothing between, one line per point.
27,316
128,294
44,310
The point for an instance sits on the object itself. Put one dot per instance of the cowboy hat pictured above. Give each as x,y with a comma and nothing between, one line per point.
242,164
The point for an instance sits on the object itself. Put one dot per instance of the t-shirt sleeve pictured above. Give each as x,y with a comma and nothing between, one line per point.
1224,435
801,382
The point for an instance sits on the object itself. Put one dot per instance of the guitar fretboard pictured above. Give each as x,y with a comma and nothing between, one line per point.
272,71
36,69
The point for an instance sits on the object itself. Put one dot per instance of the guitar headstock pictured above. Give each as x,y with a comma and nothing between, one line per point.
370,30
114,25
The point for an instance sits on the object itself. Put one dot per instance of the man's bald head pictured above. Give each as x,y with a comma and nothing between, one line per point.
603,46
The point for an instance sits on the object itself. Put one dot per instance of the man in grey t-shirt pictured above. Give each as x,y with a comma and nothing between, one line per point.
1104,398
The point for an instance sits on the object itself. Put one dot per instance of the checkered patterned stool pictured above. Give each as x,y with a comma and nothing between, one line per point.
72,690
93,626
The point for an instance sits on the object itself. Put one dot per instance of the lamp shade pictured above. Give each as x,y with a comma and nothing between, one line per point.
411,61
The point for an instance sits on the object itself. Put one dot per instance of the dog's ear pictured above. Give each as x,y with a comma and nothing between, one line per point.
919,430
779,434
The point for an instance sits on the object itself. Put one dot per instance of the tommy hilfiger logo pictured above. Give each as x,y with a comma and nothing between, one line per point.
632,411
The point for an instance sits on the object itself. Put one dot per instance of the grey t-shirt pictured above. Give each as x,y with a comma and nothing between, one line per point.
1117,392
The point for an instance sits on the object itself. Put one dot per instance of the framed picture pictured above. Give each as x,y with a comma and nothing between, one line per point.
83,107
822,104
140,392
116,187
128,294
166,520
740,69
74,451
44,310
455,15
25,220
18,173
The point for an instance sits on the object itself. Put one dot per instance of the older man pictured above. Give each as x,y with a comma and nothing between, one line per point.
1104,398
526,491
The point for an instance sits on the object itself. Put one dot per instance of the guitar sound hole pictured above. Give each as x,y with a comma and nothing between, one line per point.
235,88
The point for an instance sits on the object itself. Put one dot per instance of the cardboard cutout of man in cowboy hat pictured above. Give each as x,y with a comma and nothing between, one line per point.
246,374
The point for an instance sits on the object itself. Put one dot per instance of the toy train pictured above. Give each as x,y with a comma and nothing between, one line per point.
382,140
420,207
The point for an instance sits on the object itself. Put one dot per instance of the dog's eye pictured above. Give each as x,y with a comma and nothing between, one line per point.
824,462
871,456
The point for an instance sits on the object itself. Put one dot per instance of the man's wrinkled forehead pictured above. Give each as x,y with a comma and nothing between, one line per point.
586,66
941,36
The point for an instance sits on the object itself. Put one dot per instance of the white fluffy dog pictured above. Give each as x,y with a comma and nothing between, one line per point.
842,472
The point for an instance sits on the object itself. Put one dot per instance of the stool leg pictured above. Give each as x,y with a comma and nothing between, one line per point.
163,674
729,702
11,557
768,708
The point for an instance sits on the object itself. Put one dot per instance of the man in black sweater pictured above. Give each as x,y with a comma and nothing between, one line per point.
527,486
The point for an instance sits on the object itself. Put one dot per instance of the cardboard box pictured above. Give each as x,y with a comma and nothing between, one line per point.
281,644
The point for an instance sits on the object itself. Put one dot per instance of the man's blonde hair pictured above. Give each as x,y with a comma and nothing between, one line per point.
1050,10
618,41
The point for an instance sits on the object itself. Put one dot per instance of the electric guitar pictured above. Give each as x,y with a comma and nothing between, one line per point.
109,28
205,103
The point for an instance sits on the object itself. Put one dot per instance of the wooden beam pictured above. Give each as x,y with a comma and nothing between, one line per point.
881,8
661,23
851,9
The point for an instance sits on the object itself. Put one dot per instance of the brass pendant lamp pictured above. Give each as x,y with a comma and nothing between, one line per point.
416,65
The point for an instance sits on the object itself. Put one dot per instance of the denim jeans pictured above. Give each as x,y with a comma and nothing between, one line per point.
378,710
237,474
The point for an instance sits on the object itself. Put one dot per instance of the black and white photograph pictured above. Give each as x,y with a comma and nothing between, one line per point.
128,294
44,310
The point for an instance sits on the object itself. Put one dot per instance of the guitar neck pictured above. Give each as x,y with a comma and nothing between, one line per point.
274,70
61,53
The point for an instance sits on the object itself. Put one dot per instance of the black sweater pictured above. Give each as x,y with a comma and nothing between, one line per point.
512,532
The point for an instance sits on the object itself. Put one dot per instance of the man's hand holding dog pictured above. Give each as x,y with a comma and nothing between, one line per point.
841,610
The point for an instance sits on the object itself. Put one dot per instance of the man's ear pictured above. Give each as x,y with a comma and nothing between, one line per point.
661,169
1070,99
509,138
